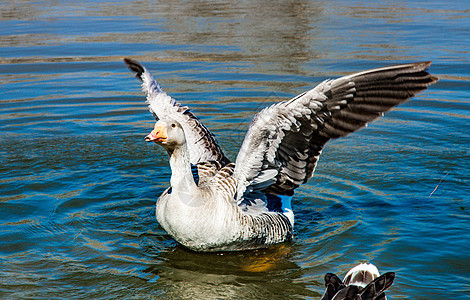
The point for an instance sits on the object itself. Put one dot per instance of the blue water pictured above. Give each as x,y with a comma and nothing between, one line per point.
78,184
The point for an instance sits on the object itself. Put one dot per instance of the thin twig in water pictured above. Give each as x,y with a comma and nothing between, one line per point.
435,189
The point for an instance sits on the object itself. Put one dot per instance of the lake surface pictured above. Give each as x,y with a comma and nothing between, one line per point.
78,184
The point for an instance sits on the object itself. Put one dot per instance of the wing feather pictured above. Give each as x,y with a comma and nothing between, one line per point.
202,144
287,138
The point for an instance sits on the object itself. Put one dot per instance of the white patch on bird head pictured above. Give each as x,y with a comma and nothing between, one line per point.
361,275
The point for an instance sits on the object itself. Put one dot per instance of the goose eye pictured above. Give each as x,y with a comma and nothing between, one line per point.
173,125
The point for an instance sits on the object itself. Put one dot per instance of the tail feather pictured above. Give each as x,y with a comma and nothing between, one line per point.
377,287
363,282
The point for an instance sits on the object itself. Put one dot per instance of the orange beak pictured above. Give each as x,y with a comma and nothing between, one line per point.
158,134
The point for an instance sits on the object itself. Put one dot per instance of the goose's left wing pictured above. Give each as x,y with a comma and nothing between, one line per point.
284,141
202,144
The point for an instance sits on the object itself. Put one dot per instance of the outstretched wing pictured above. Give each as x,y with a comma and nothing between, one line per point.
201,142
284,141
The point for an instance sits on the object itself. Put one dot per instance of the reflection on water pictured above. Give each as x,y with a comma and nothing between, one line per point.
230,275
78,184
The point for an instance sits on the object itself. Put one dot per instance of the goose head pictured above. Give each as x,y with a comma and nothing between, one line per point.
167,133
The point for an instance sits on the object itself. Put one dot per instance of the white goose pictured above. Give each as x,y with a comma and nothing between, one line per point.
362,282
215,205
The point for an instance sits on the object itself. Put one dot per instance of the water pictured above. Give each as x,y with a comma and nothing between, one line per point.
78,184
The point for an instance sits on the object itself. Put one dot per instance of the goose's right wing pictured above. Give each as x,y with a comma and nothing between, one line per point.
201,142
284,141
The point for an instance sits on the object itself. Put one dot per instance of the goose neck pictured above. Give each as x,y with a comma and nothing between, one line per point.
181,175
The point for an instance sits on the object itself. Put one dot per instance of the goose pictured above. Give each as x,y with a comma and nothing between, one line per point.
213,204
361,282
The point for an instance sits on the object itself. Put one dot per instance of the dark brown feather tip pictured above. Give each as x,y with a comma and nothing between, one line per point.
134,66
